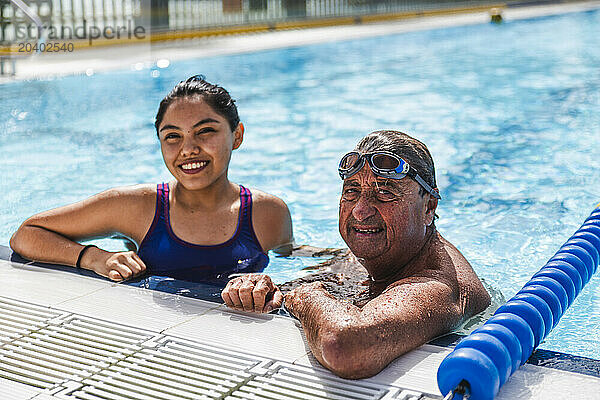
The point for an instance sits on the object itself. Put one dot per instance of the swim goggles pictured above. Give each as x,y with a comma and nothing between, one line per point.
384,164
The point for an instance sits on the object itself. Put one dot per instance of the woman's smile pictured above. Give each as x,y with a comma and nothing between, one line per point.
194,166
196,143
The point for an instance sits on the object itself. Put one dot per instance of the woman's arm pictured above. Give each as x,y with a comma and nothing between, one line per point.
51,236
272,223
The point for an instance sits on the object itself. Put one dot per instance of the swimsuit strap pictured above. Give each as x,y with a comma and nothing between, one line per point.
246,215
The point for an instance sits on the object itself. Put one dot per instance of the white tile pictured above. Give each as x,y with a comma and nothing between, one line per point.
260,334
137,307
44,286
415,370
533,382
11,390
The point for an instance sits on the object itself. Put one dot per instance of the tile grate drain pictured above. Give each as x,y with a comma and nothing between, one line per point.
74,357
173,370
18,319
67,348
286,381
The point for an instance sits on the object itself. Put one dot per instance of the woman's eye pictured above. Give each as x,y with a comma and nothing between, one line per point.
170,136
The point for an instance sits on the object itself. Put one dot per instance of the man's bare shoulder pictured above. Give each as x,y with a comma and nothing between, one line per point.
448,265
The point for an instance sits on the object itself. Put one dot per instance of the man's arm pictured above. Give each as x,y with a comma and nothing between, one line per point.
357,343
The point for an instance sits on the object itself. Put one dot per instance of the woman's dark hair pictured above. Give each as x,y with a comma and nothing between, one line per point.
215,96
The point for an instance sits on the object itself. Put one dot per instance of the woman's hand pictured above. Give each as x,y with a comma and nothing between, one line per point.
115,266
252,292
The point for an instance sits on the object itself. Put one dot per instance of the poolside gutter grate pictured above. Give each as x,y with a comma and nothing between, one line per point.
74,357
172,369
19,319
287,381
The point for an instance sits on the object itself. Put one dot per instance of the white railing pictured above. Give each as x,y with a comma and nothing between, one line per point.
32,17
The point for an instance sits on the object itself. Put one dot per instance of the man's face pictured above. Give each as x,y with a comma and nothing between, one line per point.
381,217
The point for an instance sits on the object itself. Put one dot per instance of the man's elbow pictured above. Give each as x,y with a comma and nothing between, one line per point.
344,355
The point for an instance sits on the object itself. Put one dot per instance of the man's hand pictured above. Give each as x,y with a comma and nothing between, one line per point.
252,292
115,266
295,298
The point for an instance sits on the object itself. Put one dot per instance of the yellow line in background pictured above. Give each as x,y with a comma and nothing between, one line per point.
264,27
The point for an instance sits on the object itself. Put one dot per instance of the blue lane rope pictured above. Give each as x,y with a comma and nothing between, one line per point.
484,360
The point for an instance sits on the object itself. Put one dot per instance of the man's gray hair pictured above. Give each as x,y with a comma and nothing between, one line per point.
405,146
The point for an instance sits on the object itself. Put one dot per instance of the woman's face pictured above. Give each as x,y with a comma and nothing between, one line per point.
196,142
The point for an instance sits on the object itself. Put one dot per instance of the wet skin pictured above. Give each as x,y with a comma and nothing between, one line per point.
384,221
196,144
193,133
420,285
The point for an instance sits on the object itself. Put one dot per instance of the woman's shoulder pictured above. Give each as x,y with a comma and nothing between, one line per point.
130,194
267,201
134,201
133,207
271,220
141,190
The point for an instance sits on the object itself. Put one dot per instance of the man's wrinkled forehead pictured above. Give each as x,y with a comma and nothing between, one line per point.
361,178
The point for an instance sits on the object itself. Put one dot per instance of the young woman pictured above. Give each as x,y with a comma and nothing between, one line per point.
200,226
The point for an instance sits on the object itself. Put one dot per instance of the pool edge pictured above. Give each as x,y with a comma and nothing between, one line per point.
541,357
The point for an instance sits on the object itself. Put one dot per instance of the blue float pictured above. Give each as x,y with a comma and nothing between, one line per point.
475,367
589,236
520,328
540,305
568,270
565,274
587,246
545,279
493,348
530,314
508,339
580,253
594,217
592,228
549,297
576,263
483,361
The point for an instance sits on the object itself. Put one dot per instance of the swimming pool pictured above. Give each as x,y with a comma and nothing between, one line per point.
509,113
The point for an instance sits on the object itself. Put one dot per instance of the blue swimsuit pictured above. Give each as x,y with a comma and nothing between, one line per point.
167,255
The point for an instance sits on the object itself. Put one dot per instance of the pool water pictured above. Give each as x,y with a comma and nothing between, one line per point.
509,112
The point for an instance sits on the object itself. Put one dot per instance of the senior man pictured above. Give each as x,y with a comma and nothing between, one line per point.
419,285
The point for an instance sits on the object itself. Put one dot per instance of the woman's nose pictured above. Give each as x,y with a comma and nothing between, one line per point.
190,146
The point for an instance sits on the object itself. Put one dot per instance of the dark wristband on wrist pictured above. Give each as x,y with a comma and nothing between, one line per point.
78,263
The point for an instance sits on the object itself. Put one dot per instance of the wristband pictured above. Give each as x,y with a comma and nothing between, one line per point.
78,263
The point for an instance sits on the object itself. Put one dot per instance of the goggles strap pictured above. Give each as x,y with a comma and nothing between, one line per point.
420,180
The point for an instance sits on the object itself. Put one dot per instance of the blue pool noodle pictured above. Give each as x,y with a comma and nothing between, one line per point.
487,357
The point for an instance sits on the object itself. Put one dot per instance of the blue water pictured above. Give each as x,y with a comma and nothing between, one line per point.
510,114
